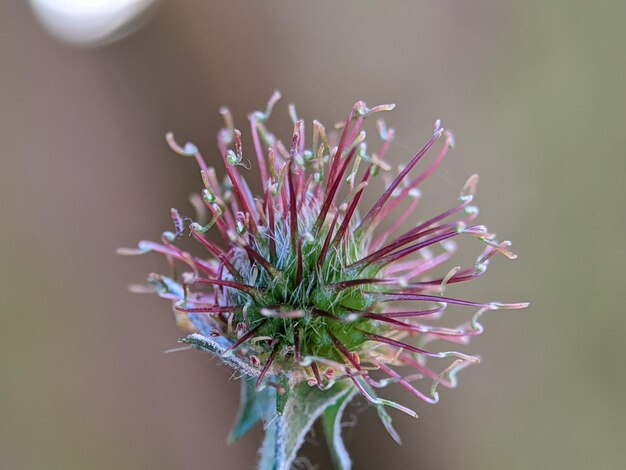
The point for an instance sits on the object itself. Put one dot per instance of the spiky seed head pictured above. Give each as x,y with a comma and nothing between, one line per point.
294,283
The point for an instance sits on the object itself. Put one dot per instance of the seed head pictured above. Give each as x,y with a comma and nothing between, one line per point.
295,286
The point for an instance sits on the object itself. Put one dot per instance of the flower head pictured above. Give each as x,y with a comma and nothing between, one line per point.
300,285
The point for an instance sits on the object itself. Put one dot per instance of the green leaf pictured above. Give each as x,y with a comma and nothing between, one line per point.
285,433
254,406
332,429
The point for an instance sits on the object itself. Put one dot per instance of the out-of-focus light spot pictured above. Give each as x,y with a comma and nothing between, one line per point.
90,22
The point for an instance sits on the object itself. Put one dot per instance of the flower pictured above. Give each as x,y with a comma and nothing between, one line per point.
300,290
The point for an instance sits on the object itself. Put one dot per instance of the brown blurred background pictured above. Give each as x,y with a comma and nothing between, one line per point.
535,94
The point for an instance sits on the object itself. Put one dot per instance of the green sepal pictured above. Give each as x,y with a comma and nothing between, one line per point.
254,406
285,433
332,429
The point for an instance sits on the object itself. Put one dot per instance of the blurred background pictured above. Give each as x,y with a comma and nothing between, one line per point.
534,92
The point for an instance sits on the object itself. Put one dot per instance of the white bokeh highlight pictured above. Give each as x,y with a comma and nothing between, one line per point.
90,22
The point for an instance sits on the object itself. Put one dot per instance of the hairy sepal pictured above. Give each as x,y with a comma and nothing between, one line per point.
285,433
218,346
332,429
